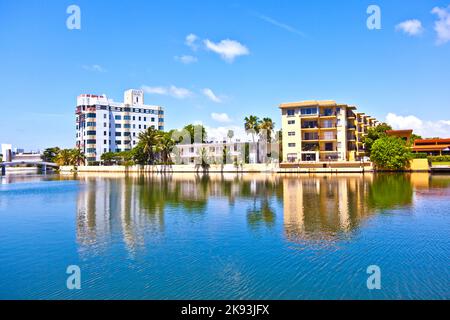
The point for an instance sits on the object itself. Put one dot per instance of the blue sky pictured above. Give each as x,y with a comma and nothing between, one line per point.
247,58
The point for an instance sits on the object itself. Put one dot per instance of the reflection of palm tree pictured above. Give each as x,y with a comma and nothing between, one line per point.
263,213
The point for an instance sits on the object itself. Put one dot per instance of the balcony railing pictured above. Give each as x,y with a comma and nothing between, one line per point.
328,113
310,137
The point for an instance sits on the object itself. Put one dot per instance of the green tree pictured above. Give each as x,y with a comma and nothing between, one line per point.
148,142
77,157
252,124
390,153
195,130
165,145
108,158
414,137
50,154
267,125
373,134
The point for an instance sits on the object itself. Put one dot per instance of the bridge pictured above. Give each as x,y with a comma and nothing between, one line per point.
42,164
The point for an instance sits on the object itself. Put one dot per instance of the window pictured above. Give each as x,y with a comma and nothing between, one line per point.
291,121
145,126
145,118
308,111
118,117
139,126
91,133
291,112
161,120
90,124
161,128
118,126
134,134
91,141
291,133
118,142
127,125
291,145
104,124
134,117
104,142
118,134
126,134
139,118
91,115
152,119
104,133
126,117
291,157
90,150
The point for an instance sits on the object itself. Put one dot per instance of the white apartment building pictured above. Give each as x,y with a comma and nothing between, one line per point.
103,125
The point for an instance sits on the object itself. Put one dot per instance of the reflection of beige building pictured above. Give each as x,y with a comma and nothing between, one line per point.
317,207
315,131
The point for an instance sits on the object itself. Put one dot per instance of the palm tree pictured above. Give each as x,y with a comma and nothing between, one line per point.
230,134
165,145
64,157
268,125
77,157
149,140
252,123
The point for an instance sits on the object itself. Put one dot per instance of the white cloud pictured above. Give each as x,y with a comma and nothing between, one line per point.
442,26
94,67
155,90
427,129
280,25
220,117
227,49
186,59
179,93
410,27
211,95
191,41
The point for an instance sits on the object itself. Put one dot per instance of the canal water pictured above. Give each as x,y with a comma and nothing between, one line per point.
225,236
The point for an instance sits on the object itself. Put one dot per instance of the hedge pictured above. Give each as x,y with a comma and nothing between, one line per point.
439,158
420,155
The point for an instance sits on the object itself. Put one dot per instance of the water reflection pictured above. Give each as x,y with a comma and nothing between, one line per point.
307,208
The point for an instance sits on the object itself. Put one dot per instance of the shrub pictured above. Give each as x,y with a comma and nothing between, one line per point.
439,158
390,153
420,155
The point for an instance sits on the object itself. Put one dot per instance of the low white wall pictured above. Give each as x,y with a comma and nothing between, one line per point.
173,168
268,168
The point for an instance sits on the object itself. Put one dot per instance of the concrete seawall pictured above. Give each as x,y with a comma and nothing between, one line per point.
246,168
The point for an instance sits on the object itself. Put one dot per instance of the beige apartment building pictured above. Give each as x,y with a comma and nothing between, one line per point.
323,131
